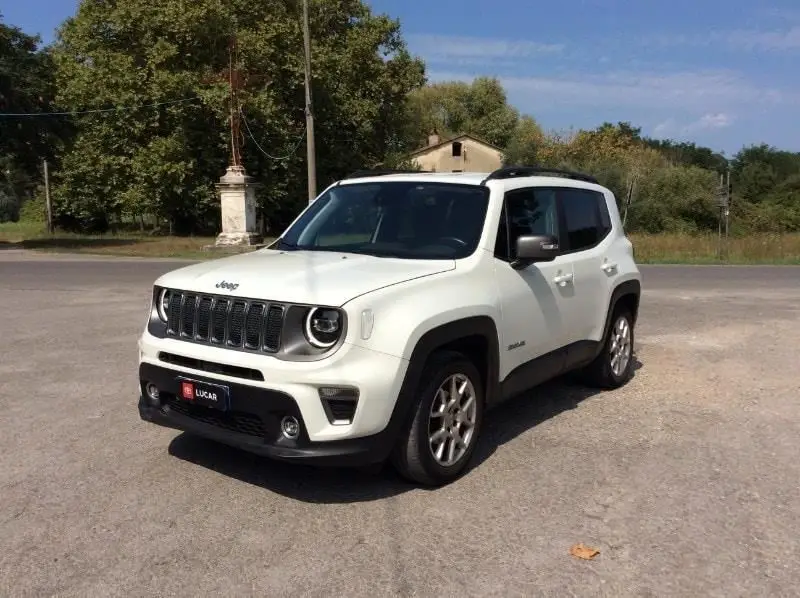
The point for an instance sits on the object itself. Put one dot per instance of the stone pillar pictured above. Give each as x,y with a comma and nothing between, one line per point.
238,203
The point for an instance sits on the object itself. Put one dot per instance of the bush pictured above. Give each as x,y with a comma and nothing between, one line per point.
34,211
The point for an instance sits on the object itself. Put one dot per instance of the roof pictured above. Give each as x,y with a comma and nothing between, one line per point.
451,140
467,178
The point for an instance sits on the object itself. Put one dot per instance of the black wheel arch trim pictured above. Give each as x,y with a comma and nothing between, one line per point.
629,287
437,338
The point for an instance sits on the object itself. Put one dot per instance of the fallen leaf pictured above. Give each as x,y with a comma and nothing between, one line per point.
582,551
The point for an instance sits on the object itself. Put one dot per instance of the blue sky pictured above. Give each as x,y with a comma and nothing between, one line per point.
718,73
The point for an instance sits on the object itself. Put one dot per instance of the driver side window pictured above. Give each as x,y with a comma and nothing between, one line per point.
529,211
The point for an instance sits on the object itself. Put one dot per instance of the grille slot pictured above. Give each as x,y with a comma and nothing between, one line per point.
187,315
203,318
220,321
252,326
272,328
174,312
237,323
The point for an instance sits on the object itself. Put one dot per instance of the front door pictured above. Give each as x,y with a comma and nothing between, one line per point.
533,300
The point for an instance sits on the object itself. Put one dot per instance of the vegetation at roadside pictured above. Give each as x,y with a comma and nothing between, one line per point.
677,248
31,235
145,168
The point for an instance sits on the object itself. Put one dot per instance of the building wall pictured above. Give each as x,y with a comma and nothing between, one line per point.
475,157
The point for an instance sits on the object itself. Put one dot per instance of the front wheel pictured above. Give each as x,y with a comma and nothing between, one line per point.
442,436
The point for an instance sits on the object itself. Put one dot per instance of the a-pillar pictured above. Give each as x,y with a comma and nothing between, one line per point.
237,196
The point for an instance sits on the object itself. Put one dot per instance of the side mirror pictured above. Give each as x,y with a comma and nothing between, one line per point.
535,248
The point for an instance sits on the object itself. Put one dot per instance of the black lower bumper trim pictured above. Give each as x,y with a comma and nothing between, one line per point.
252,423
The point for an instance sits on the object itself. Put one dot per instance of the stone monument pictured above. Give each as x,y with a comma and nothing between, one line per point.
237,191
237,197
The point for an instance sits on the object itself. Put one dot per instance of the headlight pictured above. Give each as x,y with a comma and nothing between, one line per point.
323,327
162,304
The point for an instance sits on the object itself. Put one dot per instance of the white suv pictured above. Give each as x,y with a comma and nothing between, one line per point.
391,314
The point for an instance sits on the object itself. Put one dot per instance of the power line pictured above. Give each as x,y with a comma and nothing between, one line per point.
95,111
250,133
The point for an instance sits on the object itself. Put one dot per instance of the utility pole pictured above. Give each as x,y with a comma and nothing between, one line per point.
310,149
721,205
628,199
48,205
729,196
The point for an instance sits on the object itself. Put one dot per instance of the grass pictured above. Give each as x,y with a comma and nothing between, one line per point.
19,235
650,249
704,249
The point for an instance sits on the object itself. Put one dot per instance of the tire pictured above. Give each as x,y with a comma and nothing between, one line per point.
413,457
601,372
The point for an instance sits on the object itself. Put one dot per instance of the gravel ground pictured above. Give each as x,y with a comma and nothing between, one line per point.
685,480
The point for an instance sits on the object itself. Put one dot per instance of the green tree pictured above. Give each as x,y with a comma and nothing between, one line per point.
675,199
451,108
164,160
26,86
689,154
524,143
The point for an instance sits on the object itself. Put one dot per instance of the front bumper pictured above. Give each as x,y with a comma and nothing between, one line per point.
252,422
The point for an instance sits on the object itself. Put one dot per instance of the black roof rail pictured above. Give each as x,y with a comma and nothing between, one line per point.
382,172
509,172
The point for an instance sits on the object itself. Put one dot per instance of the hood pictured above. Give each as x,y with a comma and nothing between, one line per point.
311,277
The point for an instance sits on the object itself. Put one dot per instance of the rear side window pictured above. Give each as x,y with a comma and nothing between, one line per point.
605,218
583,223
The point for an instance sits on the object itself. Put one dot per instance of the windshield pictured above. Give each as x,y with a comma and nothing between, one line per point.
411,220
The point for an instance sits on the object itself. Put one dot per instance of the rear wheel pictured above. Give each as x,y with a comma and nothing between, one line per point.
613,367
440,440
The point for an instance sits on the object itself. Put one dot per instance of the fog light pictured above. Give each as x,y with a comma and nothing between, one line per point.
152,393
290,427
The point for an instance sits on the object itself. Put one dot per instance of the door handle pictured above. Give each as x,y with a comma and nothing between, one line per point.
609,267
562,279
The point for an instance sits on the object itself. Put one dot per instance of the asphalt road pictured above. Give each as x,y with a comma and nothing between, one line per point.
686,480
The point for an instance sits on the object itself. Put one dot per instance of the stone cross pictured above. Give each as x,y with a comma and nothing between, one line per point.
236,189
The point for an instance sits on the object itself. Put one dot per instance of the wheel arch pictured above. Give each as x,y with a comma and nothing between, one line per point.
627,293
474,336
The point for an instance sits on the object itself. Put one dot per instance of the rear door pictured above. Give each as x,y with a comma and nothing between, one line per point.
585,239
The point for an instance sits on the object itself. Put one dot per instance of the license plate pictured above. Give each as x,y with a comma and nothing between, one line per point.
215,396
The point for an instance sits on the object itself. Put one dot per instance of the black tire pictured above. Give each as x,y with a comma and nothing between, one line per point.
412,456
599,372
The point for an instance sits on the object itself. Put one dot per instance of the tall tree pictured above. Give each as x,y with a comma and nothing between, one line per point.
164,159
26,87
454,107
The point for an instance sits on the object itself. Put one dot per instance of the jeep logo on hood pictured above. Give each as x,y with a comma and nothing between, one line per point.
230,286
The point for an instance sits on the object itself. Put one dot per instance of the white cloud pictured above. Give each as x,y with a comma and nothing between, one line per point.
764,40
710,121
477,50
720,120
776,40
685,91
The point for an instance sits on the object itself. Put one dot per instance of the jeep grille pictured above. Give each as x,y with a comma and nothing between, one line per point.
225,321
